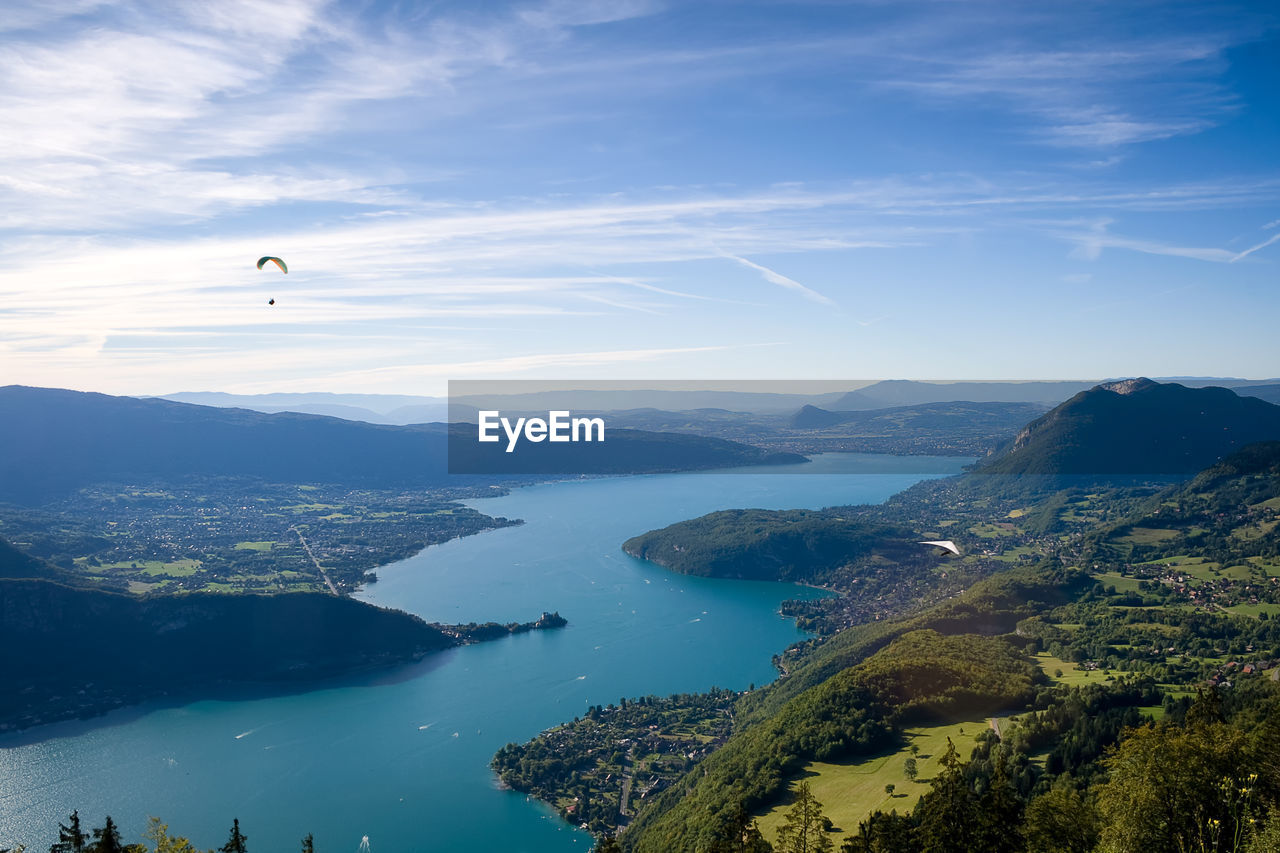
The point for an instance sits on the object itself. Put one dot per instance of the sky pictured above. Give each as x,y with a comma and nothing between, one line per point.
634,189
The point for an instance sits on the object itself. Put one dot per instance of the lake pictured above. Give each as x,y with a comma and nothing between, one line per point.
402,757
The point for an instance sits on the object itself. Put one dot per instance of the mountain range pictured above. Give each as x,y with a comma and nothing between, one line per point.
855,395
54,441
1137,427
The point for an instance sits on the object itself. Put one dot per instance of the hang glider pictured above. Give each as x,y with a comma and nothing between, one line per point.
946,545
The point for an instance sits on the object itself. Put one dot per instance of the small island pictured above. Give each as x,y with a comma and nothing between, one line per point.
473,632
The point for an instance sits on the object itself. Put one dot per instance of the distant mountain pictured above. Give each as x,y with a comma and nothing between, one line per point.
624,451
1270,393
426,413
53,442
903,392
671,400
986,418
1137,426
372,408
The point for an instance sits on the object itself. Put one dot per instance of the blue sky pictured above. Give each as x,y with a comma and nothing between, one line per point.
635,189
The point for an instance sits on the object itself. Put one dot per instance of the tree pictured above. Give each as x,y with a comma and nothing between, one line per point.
71,839
1000,812
608,844
106,839
158,834
740,834
235,842
948,814
1173,788
883,833
1060,821
888,789
910,770
803,829
309,844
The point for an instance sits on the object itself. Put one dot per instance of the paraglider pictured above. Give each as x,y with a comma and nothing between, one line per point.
277,261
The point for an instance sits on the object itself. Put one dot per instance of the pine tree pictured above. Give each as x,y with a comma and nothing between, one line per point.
883,833
106,839
309,844
235,843
948,814
803,830
71,839
1000,812
741,834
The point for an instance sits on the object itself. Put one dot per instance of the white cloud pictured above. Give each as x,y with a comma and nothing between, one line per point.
150,151
1247,252
774,277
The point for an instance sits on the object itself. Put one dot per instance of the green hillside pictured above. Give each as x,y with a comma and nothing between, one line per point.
792,545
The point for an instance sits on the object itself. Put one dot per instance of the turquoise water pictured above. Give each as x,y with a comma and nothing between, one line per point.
402,757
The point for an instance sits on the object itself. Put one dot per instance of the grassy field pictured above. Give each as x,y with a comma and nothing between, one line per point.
849,791
1255,610
177,568
1013,555
1206,570
1071,673
1147,536
1210,571
1268,566
991,531
1254,531
1119,581
254,546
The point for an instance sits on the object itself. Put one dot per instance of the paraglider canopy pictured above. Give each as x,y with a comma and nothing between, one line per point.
271,302
276,261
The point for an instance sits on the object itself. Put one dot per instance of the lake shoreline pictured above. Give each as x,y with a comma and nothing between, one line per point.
416,740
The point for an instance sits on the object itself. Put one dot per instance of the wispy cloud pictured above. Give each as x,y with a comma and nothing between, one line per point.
576,362
563,167
775,277
1091,241
1247,252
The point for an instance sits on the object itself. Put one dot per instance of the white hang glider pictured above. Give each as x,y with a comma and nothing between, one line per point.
946,545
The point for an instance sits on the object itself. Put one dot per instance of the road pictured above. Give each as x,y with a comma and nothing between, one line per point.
333,589
623,818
